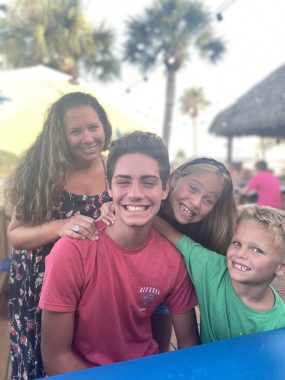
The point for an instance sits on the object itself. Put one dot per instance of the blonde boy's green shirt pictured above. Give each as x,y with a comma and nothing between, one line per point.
223,314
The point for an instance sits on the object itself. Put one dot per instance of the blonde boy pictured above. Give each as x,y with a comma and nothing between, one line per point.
234,292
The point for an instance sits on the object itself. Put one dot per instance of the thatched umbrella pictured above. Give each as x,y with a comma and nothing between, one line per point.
260,111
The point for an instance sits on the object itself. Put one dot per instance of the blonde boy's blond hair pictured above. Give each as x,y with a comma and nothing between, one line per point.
270,218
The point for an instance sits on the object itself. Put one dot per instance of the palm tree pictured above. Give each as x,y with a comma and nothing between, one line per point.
57,34
168,32
192,102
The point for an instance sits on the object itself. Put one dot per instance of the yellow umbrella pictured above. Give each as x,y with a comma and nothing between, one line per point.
27,94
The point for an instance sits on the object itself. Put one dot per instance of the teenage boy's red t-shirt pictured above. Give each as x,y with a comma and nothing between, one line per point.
113,292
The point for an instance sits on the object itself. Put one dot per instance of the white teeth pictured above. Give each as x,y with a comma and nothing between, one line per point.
241,267
136,208
187,211
90,147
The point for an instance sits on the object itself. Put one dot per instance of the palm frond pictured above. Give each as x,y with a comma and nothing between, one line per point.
210,47
57,34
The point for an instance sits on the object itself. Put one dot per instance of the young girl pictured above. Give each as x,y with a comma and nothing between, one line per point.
201,205
57,190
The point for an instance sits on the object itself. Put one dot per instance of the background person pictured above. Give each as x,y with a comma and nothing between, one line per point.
56,190
100,311
266,185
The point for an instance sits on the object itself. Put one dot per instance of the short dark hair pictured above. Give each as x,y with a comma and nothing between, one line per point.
140,142
261,165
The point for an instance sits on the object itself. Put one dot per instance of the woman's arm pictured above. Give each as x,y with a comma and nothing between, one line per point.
24,236
167,230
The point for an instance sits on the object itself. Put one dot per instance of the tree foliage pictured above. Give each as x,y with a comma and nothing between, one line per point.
57,34
192,102
167,33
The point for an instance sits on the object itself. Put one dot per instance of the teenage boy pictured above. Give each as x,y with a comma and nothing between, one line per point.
98,296
234,292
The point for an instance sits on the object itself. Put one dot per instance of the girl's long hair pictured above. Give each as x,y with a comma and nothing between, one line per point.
34,187
216,229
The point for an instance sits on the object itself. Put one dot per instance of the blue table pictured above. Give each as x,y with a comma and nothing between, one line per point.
257,356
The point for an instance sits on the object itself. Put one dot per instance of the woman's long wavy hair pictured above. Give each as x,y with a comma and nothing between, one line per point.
215,231
34,187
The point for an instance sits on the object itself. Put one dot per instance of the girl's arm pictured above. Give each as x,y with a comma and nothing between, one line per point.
22,235
107,213
167,230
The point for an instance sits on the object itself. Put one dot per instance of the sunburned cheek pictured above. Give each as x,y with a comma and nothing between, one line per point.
206,211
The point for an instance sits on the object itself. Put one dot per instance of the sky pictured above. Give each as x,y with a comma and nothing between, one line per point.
253,31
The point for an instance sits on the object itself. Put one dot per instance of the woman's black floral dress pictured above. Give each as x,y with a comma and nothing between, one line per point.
26,277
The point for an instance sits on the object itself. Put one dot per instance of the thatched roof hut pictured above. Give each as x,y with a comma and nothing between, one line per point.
260,111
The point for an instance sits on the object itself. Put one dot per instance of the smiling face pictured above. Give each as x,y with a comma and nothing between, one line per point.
137,190
194,196
254,256
84,133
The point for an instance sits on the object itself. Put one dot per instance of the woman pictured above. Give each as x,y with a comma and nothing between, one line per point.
200,204
56,190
